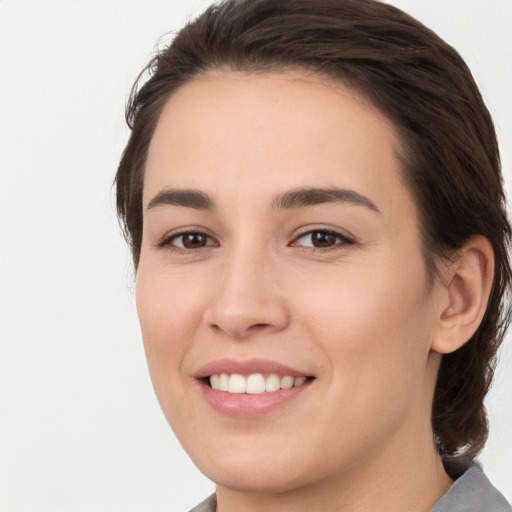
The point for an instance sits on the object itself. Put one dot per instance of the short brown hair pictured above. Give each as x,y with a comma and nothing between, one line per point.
450,153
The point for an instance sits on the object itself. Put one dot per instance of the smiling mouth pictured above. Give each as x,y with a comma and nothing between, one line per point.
254,384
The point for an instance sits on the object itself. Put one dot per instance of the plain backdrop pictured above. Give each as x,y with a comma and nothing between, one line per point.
80,428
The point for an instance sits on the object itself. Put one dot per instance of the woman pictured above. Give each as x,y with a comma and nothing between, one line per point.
313,198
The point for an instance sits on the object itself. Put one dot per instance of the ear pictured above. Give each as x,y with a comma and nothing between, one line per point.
465,289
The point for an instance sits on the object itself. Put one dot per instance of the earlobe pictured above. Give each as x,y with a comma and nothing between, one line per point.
468,283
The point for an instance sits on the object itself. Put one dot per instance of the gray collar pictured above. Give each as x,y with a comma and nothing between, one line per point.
208,505
472,492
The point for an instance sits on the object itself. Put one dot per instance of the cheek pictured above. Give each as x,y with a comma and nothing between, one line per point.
168,314
373,324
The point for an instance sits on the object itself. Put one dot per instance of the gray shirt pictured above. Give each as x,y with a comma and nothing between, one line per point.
472,492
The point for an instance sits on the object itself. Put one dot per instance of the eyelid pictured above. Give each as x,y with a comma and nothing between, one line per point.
166,240
346,239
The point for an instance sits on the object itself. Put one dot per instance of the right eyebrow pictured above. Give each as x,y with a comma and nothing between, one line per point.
188,198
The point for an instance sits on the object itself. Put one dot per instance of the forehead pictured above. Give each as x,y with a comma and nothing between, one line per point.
244,133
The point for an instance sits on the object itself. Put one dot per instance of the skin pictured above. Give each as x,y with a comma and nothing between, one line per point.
358,316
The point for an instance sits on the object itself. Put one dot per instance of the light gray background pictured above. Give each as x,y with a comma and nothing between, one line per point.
80,428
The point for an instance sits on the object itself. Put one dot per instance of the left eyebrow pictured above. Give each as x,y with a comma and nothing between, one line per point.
188,198
301,197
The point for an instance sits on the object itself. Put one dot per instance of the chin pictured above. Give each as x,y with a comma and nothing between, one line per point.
257,470
252,479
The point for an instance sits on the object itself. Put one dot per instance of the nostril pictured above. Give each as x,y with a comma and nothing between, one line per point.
259,328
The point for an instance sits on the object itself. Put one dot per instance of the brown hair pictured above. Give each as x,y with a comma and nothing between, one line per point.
450,153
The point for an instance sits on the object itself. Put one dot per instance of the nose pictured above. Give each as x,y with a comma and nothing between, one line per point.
248,298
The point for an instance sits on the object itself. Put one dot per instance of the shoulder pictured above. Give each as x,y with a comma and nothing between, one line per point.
472,492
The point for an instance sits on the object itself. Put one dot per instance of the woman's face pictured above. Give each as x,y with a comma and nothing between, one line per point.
281,246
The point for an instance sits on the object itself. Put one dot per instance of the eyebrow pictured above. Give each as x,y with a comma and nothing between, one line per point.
301,197
296,198
188,198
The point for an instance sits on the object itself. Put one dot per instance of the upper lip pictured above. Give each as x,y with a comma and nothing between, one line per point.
246,367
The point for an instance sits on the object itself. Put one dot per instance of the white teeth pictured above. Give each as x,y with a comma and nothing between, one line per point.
253,384
286,382
298,381
223,382
215,381
273,383
237,383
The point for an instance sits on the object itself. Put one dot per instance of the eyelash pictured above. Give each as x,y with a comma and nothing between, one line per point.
344,240
167,241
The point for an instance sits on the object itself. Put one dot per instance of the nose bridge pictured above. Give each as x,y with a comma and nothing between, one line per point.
247,297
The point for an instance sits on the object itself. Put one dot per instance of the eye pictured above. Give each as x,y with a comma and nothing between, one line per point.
190,240
322,239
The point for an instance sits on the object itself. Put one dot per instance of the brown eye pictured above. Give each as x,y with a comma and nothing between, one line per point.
194,240
322,239
191,240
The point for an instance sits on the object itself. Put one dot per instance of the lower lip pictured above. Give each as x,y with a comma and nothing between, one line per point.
245,405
